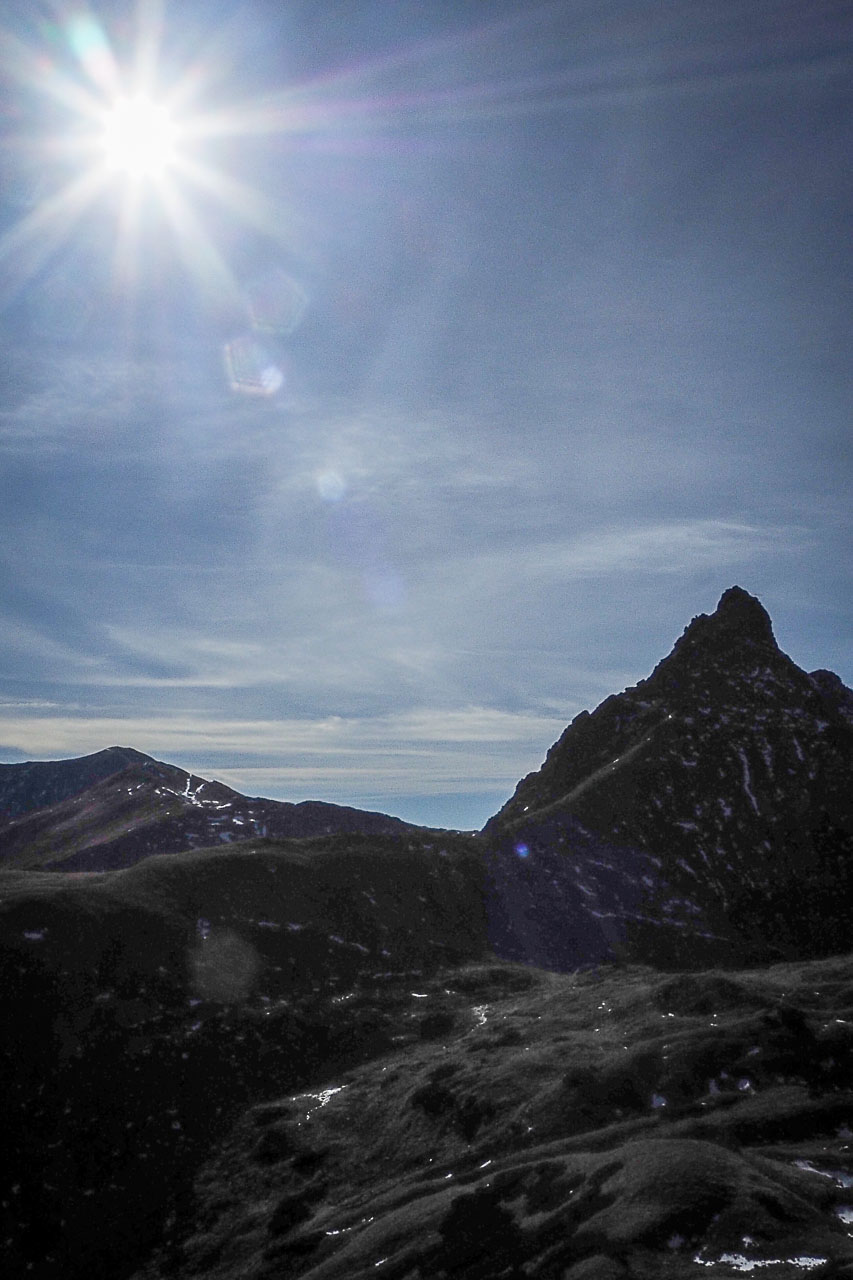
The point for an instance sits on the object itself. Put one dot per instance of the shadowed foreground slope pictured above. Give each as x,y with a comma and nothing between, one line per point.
565,1127
147,1007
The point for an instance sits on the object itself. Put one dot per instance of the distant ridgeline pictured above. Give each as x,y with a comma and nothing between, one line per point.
703,816
112,809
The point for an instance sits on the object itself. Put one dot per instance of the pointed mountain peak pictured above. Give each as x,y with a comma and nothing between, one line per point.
740,611
738,619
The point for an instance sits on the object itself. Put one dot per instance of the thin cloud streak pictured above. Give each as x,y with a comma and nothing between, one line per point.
666,547
335,637
473,749
333,733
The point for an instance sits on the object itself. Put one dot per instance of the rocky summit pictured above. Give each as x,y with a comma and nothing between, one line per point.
609,1038
703,815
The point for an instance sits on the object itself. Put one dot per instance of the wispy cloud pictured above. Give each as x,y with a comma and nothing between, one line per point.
676,546
423,751
310,627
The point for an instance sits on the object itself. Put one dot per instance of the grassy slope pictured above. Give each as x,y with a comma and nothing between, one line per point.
147,809
521,1137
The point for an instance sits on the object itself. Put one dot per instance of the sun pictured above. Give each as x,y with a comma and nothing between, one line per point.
123,136
131,140
139,138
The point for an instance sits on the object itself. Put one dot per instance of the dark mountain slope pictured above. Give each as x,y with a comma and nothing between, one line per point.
146,1007
705,812
146,807
39,783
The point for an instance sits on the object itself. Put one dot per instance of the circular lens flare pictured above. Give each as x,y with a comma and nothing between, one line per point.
139,138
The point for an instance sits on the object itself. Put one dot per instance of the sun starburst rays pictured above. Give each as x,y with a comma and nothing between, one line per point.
121,132
115,139
246,202
31,241
198,250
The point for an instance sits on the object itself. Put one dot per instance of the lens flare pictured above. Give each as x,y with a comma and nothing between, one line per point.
223,966
90,45
250,369
331,485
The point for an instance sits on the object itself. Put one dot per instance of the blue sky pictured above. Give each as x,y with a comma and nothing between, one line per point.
465,352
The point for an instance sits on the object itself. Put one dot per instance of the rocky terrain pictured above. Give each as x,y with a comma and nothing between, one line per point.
609,1037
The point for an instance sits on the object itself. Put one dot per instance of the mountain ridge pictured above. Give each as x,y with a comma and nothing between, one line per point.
715,786
703,814
132,806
